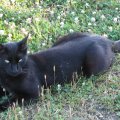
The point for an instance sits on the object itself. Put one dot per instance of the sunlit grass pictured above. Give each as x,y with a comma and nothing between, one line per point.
95,98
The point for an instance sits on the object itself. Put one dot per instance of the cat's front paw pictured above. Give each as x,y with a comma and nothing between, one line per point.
4,106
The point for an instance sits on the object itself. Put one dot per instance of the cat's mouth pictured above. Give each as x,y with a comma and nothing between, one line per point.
14,74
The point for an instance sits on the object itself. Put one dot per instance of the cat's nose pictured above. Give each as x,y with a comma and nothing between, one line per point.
15,73
15,69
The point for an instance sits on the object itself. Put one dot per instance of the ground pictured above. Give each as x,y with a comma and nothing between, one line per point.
96,98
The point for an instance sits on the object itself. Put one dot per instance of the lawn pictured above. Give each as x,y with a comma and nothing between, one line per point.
96,98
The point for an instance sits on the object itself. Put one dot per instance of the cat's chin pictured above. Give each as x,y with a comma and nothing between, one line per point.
13,74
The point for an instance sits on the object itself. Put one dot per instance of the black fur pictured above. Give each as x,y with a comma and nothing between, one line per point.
76,52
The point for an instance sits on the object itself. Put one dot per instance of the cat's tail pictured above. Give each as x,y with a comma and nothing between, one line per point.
116,46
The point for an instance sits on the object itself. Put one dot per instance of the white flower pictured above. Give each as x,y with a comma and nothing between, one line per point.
73,13
82,11
93,12
37,19
58,87
12,1
76,20
9,36
115,20
37,3
102,17
2,32
83,84
20,112
12,26
28,51
58,5
118,17
116,8
43,44
68,1
71,30
40,7
1,15
94,24
63,13
4,90
89,30
62,24
87,5
89,24
29,20
105,35
110,28
51,12
50,38
31,10
58,17
1,9
6,22
93,19
30,36
23,30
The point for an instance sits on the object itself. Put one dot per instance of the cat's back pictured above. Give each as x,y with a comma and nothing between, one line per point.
83,39
72,49
75,44
70,37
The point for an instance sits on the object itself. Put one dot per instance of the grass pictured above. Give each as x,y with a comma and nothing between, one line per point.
96,98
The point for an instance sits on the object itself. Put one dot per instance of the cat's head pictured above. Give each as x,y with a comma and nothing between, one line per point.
13,57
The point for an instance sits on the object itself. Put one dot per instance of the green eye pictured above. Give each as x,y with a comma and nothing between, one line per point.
7,61
20,60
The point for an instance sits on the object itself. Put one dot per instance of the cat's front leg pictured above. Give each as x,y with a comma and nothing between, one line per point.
8,102
2,92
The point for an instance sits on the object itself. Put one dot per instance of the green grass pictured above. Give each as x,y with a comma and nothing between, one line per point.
96,98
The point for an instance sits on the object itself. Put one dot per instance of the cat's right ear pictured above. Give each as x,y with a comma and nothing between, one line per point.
23,43
1,48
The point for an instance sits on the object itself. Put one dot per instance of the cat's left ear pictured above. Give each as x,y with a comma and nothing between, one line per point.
23,43
1,48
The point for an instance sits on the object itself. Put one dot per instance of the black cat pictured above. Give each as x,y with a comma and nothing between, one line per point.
22,75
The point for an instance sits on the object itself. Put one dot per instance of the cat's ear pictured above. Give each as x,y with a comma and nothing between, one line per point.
1,48
23,43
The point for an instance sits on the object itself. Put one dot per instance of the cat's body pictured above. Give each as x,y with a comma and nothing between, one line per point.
87,54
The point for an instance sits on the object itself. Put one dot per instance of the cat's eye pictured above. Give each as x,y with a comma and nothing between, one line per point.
7,61
20,60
